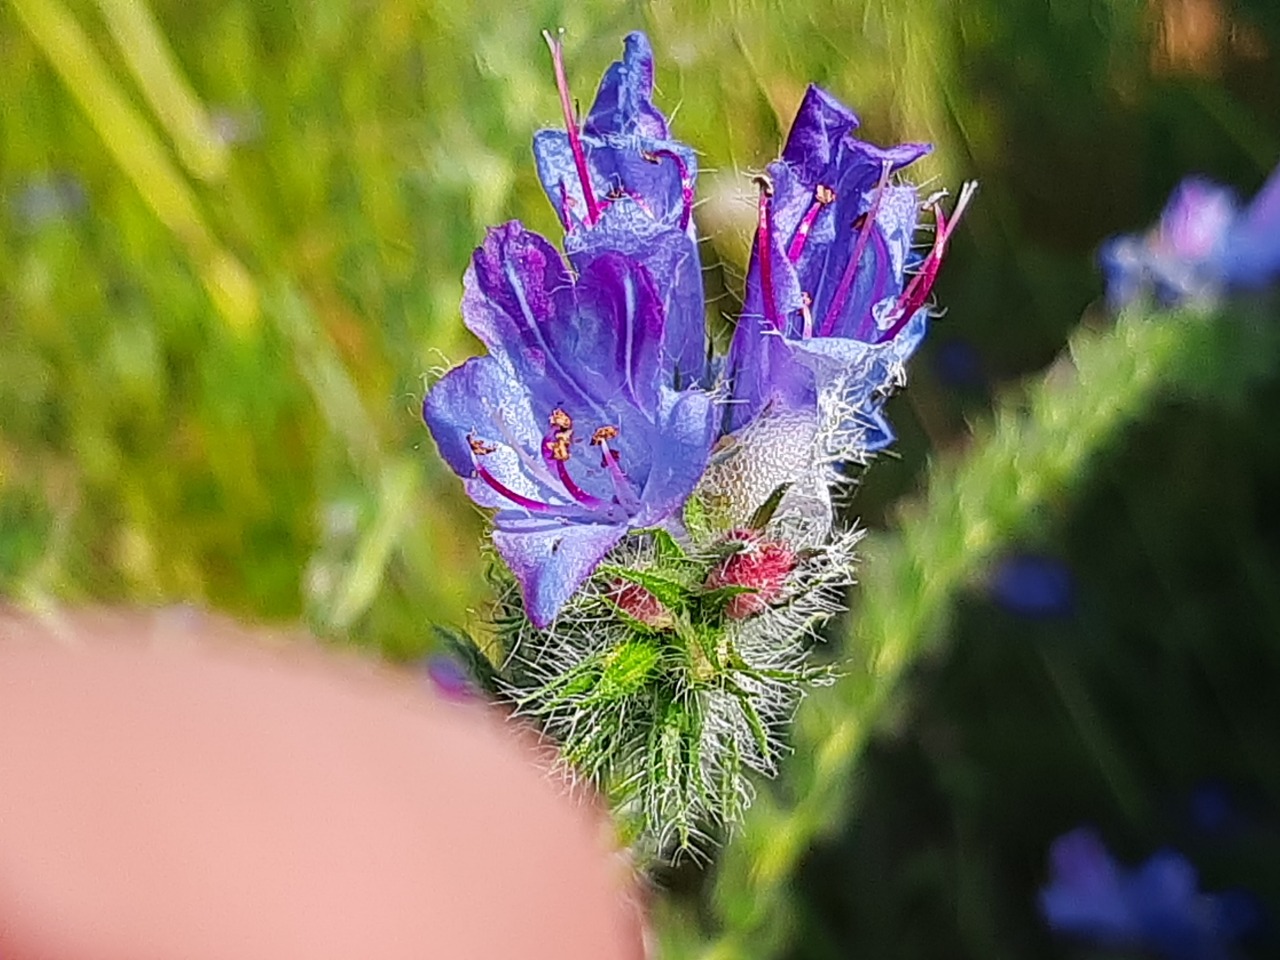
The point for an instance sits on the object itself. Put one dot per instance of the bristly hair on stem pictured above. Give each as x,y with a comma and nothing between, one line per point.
660,691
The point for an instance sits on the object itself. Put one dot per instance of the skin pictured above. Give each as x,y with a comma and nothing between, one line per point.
173,785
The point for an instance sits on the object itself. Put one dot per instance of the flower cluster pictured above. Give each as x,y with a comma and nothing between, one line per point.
1157,907
1203,245
667,517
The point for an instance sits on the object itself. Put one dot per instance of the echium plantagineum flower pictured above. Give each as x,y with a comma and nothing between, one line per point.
620,182
1204,245
660,638
572,427
831,310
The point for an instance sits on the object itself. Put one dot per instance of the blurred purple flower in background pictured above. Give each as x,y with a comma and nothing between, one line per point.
48,198
1156,907
573,426
449,678
829,307
1203,245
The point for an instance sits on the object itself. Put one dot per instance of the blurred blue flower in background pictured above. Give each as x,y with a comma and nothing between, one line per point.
1212,810
1203,245
449,677
1033,585
1156,907
48,199
959,365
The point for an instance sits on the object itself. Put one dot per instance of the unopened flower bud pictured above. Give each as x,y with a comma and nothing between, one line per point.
763,565
640,604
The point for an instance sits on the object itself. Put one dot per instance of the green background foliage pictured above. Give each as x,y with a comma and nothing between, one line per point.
231,242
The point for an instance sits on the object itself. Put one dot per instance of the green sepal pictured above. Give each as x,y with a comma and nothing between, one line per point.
627,668
666,547
764,513
670,593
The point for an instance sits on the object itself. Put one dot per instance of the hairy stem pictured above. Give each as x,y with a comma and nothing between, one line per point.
1042,440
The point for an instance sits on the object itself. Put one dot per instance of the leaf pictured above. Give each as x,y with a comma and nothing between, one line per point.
666,547
627,668
671,593
764,513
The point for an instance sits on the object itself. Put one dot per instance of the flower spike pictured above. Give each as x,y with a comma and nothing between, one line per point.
666,519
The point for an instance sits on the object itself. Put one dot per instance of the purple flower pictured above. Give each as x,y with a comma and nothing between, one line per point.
449,678
574,426
1156,907
829,305
620,182
1203,244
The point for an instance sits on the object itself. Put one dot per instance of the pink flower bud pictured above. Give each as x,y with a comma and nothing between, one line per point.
763,565
639,604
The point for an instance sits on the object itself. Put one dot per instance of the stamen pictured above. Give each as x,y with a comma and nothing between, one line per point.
822,195
478,447
686,185
558,446
622,487
806,315
921,284
560,420
851,268
625,193
519,499
764,247
866,331
603,434
571,128
575,491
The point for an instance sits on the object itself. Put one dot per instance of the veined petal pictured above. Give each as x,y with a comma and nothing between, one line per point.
758,366
666,253
820,124
551,559
615,341
482,400
656,174
518,298
839,237
686,428
626,149
624,100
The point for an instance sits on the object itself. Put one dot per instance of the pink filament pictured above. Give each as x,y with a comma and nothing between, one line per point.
851,268
764,247
921,284
571,128
802,232
519,499
575,491
686,187
621,485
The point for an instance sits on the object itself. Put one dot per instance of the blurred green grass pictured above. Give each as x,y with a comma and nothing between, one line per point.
231,259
